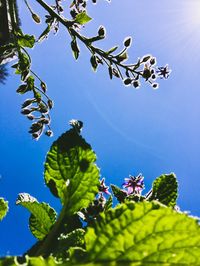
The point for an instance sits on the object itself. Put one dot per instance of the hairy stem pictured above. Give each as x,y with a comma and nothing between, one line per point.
87,41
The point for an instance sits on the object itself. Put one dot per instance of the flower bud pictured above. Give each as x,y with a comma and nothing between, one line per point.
146,58
115,73
127,42
136,84
153,61
30,117
27,103
153,76
22,89
36,18
101,31
146,74
50,103
127,81
94,63
26,111
43,86
44,120
49,133
35,136
155,86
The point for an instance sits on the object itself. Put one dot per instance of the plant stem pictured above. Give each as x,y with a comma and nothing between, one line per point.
45,248
68,24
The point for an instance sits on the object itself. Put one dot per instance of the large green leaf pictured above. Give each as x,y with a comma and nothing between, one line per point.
165,189
70,171
42,215
3,208
145,232
82,18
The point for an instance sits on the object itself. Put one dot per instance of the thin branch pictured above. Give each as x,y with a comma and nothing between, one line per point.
86,41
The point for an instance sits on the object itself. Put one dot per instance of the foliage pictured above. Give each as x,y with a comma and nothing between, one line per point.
37,107
3,208
141,230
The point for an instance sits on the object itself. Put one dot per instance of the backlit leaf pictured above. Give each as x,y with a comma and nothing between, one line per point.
70,171
26,40
42,215
3,208
165,189
82,18
146,233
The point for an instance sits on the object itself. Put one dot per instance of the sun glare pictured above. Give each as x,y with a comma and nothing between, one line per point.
193,13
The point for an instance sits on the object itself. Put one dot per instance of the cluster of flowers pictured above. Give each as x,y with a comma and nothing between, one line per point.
133,186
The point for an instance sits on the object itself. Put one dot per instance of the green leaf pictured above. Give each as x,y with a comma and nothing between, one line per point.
165,190
26,40
82,18
42,215
30,83
146,233
3,208
24,63
70,171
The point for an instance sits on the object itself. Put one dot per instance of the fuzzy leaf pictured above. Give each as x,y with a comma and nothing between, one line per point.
165,189
26,40
3,208
147,233
42,215
70,171
82,18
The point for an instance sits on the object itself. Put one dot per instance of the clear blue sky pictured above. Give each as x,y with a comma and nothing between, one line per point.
132,131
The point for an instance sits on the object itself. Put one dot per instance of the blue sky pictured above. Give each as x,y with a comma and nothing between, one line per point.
132,131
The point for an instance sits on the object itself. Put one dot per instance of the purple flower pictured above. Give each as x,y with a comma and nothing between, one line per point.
164,72
134,184
103,188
